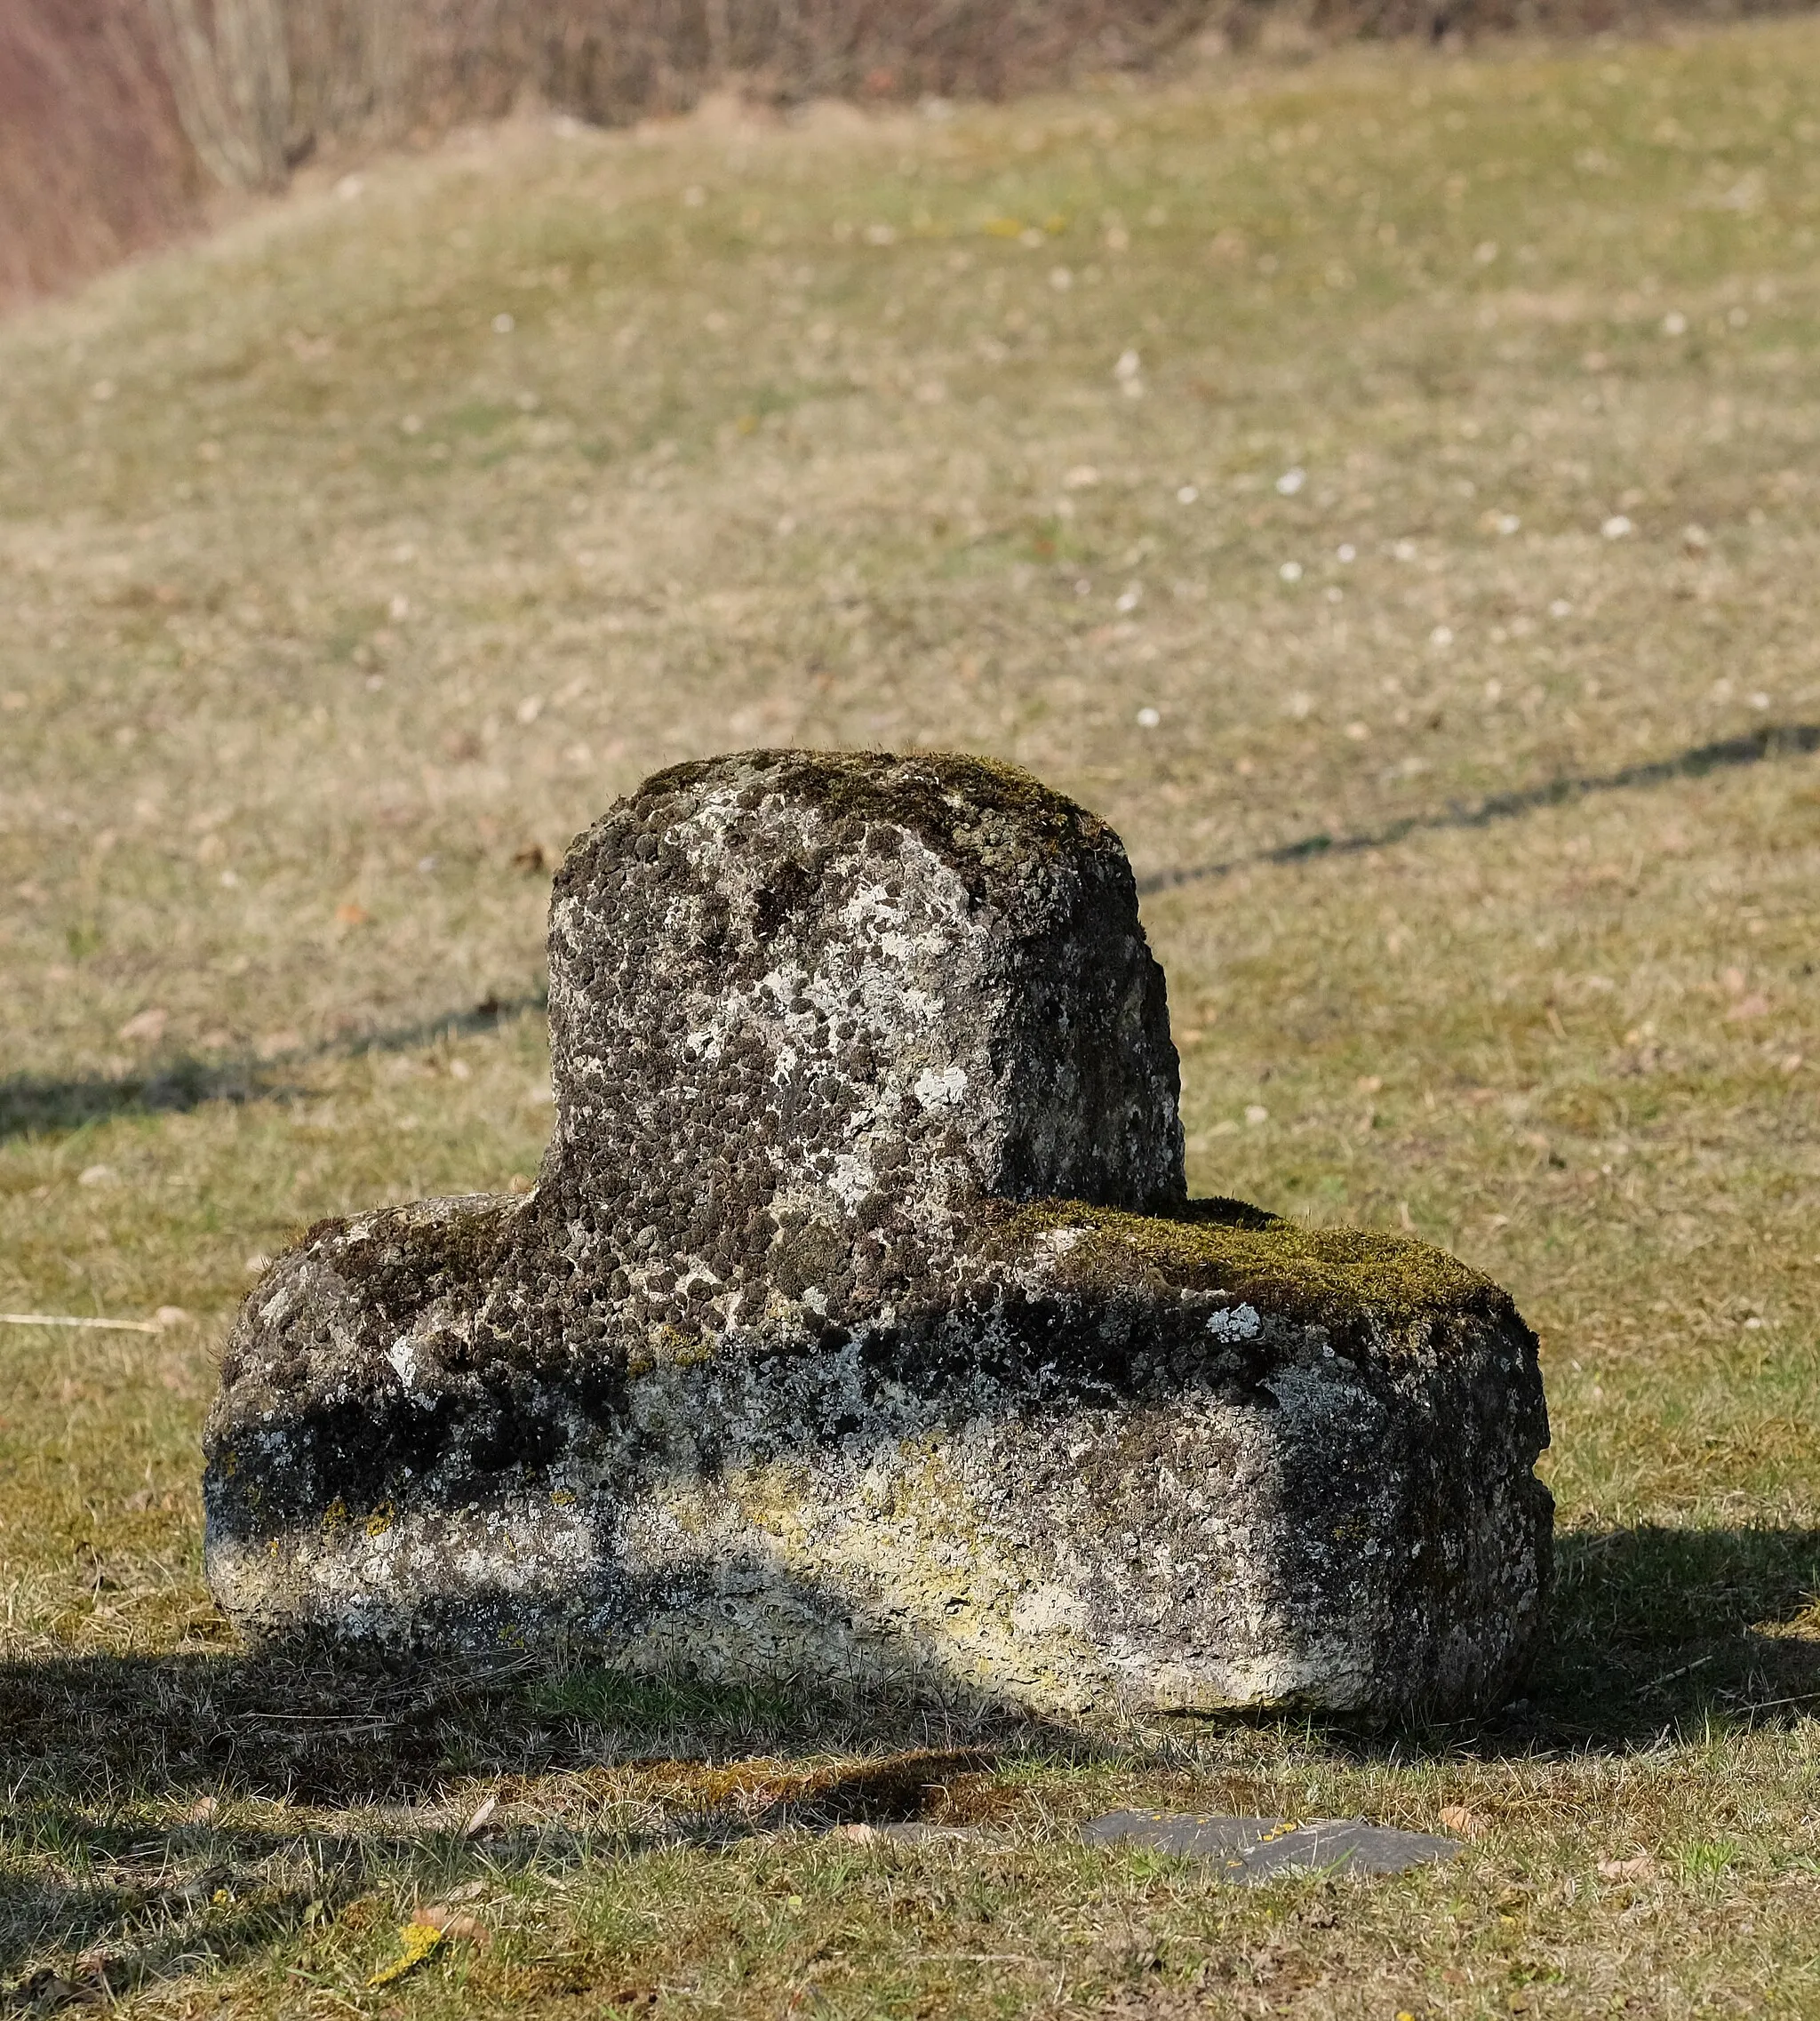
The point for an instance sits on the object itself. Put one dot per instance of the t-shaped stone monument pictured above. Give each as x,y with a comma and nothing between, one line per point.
858,1326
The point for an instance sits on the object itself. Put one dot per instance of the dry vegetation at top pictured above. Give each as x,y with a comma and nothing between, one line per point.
122,122
1386,492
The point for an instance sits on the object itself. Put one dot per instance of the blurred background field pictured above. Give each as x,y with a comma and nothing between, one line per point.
1383,486
125,123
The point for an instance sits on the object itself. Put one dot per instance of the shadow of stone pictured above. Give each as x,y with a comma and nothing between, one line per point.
1654,1629
34,1105
87,1742
316,1726
1658,1634
1668,1631
1654,1635
1775,740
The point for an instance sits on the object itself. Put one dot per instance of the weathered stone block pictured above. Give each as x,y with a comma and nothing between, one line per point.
858,1325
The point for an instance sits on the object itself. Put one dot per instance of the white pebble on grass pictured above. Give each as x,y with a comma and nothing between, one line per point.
1290,572
1617,527
1441,637
1148,718
1291,482
503,324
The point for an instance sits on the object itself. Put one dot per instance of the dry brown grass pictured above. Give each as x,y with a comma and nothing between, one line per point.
338,606
122,121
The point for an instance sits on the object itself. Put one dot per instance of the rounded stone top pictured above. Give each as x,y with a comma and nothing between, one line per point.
855,988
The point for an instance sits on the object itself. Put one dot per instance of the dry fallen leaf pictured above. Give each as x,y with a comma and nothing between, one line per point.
1462,1821
454,1922
1641,1867
855,1835
478,1822
351,915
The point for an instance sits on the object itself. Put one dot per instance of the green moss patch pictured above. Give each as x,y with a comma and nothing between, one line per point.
1325,1276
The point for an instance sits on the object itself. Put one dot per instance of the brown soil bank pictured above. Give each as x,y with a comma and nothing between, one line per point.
117,116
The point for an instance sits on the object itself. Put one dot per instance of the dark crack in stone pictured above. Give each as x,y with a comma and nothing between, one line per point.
858,1325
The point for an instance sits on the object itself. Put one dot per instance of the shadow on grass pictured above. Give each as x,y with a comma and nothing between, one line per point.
1775,740
45,1105
1658,1634
119,1901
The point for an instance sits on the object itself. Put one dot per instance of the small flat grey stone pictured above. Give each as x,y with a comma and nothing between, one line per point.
1248,1849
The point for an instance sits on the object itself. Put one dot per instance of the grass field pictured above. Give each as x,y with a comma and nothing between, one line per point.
1385,487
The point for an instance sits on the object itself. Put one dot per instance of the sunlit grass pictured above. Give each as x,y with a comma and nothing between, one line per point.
1329,451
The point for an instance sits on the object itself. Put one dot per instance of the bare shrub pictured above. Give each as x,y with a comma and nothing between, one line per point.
228,64
414,64
93,164
114,114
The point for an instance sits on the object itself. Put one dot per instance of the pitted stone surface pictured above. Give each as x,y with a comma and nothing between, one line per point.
858,1324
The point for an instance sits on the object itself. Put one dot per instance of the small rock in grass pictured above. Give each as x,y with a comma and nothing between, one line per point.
1246,1851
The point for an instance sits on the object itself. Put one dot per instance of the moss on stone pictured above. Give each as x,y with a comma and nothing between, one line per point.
1332,1277
940,797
